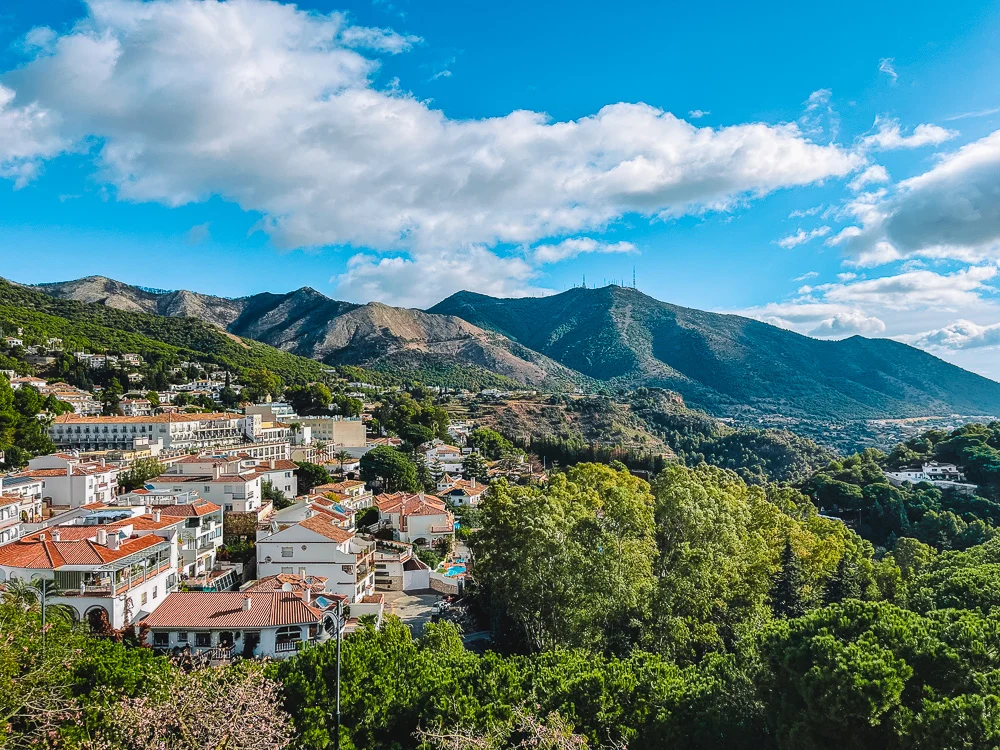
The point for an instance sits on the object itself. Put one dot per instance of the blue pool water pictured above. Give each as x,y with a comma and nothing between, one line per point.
455,570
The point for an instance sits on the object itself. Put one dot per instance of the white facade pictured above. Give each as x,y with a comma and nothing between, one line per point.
221,625
345,560
124,577
68,482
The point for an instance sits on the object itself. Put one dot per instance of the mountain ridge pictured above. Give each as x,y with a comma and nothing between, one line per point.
726,364
307,323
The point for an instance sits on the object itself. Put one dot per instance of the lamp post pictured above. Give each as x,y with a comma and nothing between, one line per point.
340,628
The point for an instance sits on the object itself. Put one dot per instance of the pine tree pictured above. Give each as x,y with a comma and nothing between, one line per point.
786,589
843,584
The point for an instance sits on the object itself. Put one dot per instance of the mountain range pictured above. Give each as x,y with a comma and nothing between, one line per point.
618,336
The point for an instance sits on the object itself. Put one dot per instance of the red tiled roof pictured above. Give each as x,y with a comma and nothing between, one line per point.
80,470
322,524
297,582
157,418
189,509
32,552
279,465
224,609
9,500
407,504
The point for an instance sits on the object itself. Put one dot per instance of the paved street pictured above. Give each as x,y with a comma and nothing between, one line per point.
413,609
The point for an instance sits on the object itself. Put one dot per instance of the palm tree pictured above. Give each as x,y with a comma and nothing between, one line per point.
343,457
30,595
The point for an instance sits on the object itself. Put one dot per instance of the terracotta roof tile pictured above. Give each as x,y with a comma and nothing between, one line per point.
224,609
322,524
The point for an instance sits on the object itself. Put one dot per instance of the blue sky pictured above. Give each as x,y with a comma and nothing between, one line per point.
369,150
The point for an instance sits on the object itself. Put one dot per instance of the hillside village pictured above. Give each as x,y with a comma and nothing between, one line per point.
166,510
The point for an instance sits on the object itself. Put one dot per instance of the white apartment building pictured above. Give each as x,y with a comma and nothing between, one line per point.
239,493
175,431
348,432
351,493
14,512
199,525
69,482
418,518
318,546
448,457
119,572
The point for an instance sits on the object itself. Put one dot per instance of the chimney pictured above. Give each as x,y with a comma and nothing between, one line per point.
69,470
271,463
113,541
246,603
41,537
102,536
473,483
55,535
307,595
156,516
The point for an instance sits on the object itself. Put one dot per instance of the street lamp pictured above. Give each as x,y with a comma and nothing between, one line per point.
340,627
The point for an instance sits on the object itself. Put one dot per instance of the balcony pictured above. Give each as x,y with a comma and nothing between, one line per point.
284,647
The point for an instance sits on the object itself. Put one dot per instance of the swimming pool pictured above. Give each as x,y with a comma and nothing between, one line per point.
455,570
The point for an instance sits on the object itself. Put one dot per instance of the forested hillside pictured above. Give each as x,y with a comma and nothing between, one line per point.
96,327
725,363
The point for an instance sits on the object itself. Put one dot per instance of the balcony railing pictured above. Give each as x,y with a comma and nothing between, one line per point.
286,646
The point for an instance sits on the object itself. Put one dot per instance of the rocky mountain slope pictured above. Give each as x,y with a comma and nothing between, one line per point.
724,363
436,348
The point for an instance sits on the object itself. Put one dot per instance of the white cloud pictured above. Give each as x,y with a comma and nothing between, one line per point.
820,117
418,282
950,211
849,323
274,109
887,65
820,319
846,276
28,135
874,175
889,135
962,334
574,246
380,40
802,236
901,305
806,276
697,114
913,289
804,212
975,113
199,233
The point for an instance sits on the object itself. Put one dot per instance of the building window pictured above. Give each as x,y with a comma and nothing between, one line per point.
161,639
229,507
143,597
288,569
202,640
287,551
154,592
182,636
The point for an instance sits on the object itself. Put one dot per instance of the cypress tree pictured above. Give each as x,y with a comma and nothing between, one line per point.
786,589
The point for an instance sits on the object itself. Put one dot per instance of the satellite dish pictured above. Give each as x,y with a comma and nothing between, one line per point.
286,586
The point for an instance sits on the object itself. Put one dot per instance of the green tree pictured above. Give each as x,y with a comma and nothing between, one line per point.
260,384
311,475
391,468
140,472
474,467
490,443
787,597
309,399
